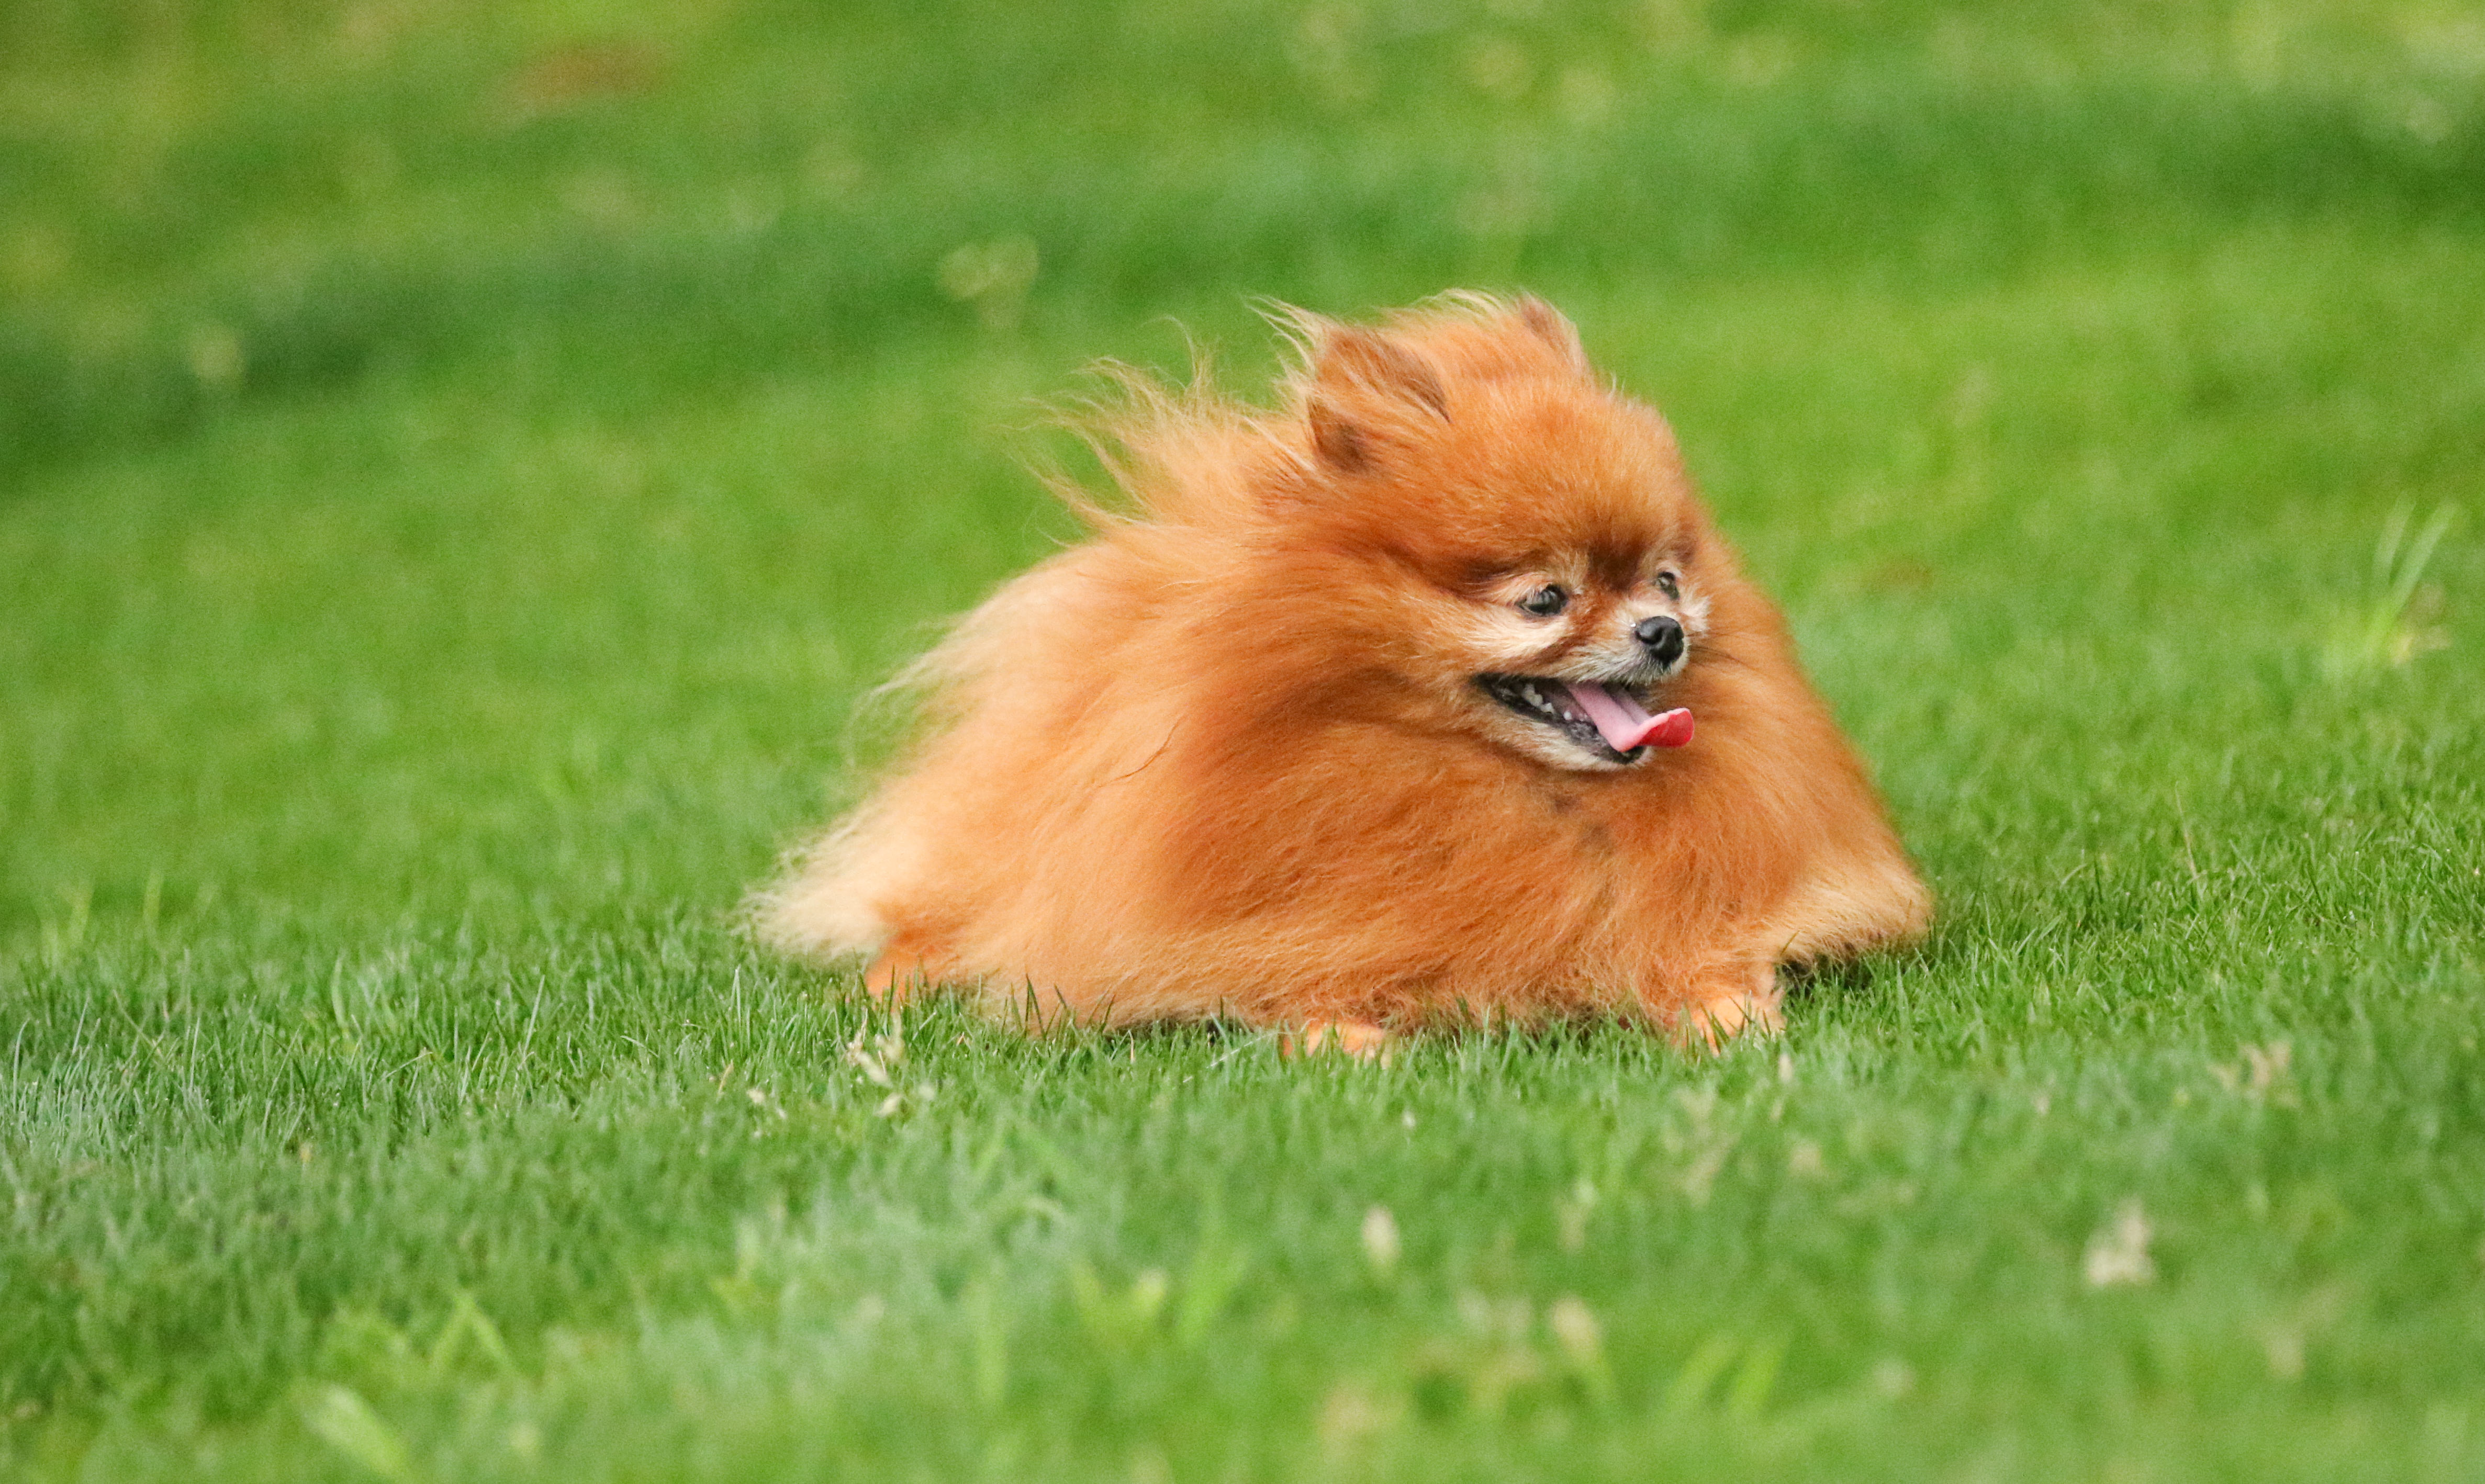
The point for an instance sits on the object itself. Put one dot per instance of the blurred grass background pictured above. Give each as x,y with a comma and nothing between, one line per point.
461,464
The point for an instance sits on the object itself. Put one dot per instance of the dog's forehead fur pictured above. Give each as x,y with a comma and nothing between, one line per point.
1535,470
1511,452
1462,439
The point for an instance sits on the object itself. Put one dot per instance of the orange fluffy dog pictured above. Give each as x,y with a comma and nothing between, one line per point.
1432,696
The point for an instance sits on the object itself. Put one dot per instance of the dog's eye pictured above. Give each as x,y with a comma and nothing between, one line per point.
1545,601
1669,585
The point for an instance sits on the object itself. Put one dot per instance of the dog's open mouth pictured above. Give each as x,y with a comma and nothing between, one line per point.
1608,721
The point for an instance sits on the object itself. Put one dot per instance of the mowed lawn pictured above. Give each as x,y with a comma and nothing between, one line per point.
463,466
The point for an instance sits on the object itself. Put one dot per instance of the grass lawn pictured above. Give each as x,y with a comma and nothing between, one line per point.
462,464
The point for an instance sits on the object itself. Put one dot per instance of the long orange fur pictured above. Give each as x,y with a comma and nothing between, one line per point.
1228,757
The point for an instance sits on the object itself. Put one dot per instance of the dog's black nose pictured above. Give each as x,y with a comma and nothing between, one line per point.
1664,637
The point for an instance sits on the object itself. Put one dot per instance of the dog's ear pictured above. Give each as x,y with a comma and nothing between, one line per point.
1546,324
1362,381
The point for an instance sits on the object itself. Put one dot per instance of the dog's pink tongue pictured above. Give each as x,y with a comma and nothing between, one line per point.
1625,723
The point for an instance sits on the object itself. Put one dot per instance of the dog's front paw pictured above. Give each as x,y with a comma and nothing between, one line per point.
1709,1023
898,974
1359,1039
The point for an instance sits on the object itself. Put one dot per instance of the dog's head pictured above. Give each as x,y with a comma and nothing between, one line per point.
1509,547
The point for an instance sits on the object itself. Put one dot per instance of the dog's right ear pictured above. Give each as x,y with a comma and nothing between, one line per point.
1363,385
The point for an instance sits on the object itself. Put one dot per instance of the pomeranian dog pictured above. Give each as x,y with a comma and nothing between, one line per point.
1430,697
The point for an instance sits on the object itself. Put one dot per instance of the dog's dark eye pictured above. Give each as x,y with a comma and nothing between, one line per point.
1668,584
1545,601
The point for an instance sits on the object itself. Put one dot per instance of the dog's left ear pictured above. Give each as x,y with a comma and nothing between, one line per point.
1546,323
1362,385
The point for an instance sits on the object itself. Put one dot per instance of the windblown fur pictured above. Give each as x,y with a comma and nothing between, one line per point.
1231,755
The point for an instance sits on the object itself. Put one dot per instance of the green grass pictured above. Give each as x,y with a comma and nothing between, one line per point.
461,466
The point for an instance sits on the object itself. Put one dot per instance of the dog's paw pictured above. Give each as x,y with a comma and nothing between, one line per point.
1708,1024
1356,1039
896,977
